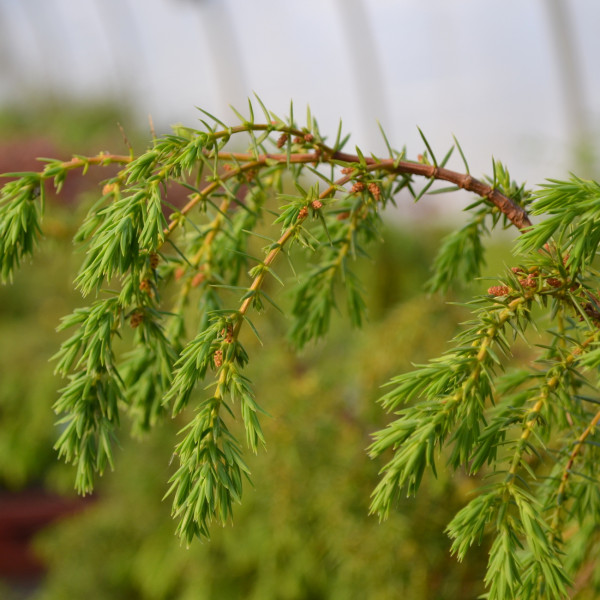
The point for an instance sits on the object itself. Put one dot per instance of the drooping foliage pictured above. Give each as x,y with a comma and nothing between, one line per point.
174,290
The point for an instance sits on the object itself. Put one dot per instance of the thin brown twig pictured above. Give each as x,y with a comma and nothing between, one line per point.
211,187
514,213
103,159
323,154
575,452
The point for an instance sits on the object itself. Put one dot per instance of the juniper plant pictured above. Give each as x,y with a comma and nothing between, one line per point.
184,281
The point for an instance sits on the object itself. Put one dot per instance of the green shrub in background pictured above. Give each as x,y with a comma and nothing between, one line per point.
174,295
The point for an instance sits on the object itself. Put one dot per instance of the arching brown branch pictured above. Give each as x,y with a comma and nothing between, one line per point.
323,154
514,213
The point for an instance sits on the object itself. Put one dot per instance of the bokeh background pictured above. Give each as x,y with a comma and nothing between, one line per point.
514,80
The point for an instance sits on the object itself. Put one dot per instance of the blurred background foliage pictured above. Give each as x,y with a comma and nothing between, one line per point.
304,531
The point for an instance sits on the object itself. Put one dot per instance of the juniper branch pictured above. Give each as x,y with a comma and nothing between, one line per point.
466,407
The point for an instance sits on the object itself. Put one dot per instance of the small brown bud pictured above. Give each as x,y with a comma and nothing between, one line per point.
309,137
553,282
499,290
227,167
516,270
590,310
298,140
136,319
283,138
198,279
347,170
375,191
154,260
218,358
109,188
529,281
179,273
228,333
343,215
303,213
145,286
316,204
357,188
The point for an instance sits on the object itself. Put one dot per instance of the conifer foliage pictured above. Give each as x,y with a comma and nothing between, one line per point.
181,285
